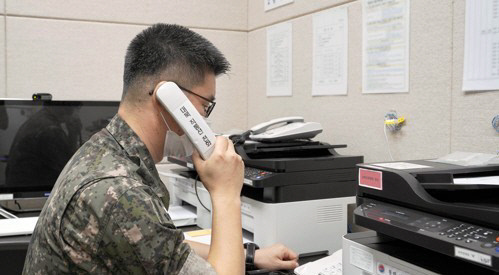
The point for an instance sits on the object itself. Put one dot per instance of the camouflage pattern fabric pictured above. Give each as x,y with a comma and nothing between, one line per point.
107,215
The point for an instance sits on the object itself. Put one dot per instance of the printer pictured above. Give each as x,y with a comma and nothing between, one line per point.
450,211
188,196
295,192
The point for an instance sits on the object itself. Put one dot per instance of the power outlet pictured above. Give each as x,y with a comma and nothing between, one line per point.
272,4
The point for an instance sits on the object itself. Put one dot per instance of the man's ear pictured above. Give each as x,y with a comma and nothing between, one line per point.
157,104
171,123
156,90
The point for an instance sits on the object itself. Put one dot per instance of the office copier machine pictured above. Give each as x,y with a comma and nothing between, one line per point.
450,211
296,192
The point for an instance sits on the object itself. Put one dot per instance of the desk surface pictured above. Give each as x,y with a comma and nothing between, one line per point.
13,252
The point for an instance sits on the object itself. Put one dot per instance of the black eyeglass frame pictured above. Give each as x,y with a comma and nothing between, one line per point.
207,109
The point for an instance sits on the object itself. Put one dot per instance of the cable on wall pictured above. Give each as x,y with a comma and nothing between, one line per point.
393,123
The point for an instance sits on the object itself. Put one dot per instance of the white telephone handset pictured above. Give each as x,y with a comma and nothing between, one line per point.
262,127
293,128
187,117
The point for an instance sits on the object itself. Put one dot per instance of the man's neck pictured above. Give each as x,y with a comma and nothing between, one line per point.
146,125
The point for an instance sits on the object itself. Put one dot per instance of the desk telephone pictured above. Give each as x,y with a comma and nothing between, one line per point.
285,128
280,129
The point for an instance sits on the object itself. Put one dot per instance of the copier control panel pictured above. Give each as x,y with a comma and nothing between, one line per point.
459,239
252,175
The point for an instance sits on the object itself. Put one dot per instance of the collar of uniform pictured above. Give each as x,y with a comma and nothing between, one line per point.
132,143
138,152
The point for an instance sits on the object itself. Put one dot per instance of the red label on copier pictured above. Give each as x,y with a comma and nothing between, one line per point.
371,179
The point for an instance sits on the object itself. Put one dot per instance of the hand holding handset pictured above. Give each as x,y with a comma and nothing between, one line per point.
222,176
187,117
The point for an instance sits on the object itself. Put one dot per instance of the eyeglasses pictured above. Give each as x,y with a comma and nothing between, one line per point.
207,109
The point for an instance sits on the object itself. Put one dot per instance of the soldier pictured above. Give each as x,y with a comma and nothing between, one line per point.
107,213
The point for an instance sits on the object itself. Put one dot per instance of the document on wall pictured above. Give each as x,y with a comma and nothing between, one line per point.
385,46
330,52
481,46
279,60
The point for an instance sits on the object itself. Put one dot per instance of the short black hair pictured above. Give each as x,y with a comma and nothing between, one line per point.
174,49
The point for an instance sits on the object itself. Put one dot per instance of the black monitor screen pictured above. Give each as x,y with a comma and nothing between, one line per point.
37,138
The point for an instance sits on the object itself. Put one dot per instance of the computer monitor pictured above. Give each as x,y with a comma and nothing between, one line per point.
37,138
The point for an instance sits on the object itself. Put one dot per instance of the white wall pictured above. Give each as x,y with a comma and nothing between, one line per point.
75,49
472,113
440,118
258,18
70,59
206,14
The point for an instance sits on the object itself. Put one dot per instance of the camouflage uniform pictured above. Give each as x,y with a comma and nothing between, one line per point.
107,215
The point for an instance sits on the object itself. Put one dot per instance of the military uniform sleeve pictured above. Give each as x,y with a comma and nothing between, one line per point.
141,238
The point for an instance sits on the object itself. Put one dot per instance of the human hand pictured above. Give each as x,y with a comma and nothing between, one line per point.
276,257
222,173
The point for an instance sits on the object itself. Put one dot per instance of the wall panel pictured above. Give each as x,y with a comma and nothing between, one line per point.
231,109
472,113
81,60
258,18
70,59
212,14
357,119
